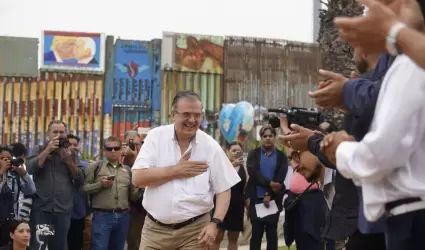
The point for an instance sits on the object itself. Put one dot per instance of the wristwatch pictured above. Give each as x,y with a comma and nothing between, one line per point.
391,44
217,222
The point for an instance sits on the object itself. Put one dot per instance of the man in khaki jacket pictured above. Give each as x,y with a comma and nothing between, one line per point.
108,183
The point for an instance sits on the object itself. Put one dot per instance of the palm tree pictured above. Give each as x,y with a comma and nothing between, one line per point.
337,55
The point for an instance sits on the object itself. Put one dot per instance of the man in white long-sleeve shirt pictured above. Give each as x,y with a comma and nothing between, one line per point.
388,162
182,169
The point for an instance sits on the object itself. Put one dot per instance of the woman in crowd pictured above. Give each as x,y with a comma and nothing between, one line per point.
233,222
20,234
14,180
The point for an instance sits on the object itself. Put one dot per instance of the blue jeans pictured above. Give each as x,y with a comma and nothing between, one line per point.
109,230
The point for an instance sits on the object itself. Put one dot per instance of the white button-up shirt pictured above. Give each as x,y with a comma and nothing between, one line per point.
182,199
389,162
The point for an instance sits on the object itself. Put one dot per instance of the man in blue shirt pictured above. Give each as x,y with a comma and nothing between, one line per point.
267,168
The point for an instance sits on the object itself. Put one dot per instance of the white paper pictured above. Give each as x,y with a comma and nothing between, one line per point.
263,211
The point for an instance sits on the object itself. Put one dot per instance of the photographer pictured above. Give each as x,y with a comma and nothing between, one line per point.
343,217
56,174
14,179
130,150
20,152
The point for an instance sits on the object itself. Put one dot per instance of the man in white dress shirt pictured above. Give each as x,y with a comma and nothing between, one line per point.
182,169
388,162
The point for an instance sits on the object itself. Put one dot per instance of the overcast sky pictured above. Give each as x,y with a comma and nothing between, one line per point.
146,19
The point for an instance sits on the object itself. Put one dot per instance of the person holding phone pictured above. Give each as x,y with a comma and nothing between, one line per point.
233,222
108,182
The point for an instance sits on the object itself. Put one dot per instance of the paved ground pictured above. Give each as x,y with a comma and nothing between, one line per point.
263,246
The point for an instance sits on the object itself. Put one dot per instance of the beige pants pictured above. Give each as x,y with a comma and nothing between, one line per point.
157,237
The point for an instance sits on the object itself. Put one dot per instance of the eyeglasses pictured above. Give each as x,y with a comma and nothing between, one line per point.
187,115
112,148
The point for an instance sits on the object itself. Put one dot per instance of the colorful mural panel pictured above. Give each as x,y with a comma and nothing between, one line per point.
199,53
72,51
29,104
135,90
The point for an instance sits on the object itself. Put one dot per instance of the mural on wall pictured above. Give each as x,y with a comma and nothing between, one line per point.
199,53
73,98
72,51
136,79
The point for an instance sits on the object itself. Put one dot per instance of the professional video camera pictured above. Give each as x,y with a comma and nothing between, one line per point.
301,116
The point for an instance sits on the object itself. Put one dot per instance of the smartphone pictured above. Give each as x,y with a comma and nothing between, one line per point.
110,178
239,154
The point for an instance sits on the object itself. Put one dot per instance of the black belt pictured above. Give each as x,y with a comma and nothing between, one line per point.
117,210
397,203
175,225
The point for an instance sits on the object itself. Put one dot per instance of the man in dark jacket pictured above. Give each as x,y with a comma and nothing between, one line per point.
56,175
267,168
359,99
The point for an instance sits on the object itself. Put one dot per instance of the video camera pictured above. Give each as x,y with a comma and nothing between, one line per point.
300,116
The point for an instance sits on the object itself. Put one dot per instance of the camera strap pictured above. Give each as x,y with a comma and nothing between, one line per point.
292,204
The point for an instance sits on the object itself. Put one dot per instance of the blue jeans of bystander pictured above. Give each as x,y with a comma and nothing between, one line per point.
109,230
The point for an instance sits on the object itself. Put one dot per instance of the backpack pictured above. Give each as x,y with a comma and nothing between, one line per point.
97,168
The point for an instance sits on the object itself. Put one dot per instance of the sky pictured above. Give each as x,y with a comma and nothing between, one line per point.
147,19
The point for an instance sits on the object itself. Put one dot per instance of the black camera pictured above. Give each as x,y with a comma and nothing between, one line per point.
131,144
63,142
300,116
16,162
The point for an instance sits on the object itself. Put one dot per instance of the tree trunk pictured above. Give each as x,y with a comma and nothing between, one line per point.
337,55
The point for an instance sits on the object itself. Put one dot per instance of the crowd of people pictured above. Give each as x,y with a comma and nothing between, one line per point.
358,188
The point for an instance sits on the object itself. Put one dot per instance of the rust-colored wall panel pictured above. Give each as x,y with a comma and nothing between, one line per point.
208,86
29,104
270,73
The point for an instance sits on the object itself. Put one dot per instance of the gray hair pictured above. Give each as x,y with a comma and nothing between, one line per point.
49,126
132,133
189,94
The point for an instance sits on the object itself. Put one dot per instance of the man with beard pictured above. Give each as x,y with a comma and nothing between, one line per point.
305,205
359,96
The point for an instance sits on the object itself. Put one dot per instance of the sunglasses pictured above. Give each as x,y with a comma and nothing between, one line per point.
112,148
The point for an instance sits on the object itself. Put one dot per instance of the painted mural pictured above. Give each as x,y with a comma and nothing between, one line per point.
72,51
29,104
199,53
132,103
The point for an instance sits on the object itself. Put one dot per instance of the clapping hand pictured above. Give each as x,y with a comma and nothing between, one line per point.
329,92
331,142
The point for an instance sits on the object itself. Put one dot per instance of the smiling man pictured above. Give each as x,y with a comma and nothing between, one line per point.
182,169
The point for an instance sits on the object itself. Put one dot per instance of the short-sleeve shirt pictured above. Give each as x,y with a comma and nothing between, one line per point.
182,199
